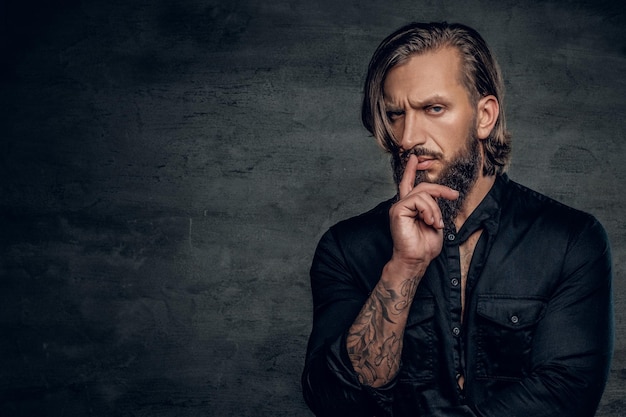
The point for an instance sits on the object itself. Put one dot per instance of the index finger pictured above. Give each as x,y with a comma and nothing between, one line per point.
408,177
407,184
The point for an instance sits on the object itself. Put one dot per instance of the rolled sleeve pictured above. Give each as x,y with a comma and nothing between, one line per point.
330,384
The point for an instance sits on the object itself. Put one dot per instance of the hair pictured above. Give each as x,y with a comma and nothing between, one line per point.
480,75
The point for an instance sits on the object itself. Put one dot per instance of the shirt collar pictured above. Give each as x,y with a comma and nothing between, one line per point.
487,215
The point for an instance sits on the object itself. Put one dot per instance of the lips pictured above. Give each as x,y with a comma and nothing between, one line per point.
425,158
424,162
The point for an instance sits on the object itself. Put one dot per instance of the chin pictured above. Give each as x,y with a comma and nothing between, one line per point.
432,177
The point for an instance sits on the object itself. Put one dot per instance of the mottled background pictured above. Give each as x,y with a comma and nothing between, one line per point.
167,168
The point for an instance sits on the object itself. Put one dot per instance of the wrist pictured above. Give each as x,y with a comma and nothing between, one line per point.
400,270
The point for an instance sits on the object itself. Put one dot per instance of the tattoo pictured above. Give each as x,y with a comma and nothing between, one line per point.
374,352
407,291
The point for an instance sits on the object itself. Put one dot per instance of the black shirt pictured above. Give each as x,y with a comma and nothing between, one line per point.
536,335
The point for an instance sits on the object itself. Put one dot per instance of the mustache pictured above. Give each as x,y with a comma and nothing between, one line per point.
404,156
400,159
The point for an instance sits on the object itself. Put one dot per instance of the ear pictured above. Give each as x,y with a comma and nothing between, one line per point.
488,110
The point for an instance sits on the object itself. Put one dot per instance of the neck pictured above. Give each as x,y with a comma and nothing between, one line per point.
474,197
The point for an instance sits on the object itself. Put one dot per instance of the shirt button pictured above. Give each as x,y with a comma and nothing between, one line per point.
456,331
451,237
514,319
454,282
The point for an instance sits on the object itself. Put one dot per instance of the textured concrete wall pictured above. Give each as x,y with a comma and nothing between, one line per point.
167,168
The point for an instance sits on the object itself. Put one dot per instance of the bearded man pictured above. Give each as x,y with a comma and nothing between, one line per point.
466,294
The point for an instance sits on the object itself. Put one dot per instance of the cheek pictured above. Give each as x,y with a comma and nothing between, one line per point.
446,132
454,129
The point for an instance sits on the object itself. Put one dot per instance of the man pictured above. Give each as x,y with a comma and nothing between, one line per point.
467,294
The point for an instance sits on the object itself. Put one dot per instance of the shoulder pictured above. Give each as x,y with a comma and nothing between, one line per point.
523,198
368,223
354,250
548,242
553,218
360,236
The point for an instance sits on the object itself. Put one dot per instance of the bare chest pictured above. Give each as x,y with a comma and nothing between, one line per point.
466,253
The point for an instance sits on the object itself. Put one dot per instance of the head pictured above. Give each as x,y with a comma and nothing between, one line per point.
478,73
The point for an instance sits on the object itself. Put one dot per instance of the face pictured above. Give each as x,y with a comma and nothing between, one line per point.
432,117
429,109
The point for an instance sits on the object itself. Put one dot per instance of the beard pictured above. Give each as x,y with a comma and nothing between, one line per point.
460,174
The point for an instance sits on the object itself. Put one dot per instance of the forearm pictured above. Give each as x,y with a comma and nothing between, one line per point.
331,388
374,341
568,379
553,391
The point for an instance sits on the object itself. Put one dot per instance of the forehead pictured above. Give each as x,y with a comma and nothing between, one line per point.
435,72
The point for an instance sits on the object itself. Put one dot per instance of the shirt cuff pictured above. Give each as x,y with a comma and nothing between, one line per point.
340,364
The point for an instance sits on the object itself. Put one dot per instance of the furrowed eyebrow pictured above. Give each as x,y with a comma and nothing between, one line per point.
432,100
392,107
428,101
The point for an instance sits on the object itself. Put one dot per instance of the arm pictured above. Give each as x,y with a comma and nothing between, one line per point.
572,345
342,371
330,385
374,341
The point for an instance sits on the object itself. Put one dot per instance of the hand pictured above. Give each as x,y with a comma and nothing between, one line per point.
417,223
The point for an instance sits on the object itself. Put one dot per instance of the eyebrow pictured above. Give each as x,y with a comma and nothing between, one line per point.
429,100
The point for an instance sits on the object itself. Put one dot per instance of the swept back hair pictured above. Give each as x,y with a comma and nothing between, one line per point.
480,75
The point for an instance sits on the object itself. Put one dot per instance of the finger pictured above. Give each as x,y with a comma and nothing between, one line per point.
420,206
421,203
408,177
436,191
428,210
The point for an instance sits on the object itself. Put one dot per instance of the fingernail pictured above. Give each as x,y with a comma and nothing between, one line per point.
441,223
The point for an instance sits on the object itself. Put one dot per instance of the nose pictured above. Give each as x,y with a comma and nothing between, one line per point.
413,133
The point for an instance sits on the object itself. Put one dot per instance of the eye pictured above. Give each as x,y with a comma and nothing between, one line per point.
394,115
435,109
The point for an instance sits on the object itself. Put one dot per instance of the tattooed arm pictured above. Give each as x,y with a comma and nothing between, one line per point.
374,341
364,276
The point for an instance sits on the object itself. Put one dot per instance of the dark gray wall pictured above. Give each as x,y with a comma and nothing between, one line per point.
167,168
